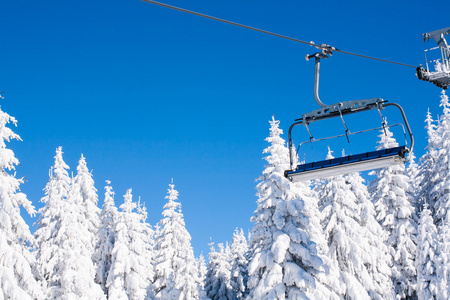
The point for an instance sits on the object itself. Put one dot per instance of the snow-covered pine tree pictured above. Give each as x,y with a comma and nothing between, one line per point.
77,271
350,242
427,283
201,277
239,262
131,271
440,179
379,271
106,238
49,251
438,194
175,267
443,259
332,278
426,163
218,279
391,194
284,262
62,254
18,273
85,183
412,172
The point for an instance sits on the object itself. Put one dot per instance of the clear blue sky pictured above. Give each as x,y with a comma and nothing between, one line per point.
148,94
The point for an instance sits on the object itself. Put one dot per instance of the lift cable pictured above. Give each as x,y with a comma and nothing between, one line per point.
325,47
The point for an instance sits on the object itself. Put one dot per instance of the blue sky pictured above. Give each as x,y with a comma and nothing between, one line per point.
148,94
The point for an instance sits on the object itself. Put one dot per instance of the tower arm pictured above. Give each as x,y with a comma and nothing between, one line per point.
438,36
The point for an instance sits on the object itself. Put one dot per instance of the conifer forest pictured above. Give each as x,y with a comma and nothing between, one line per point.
342,237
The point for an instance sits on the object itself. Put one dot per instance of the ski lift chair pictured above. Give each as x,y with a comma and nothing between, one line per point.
441,74
347,164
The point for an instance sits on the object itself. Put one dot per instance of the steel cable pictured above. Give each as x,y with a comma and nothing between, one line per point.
326,47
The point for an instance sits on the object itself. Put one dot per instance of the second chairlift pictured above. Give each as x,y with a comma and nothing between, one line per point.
441,74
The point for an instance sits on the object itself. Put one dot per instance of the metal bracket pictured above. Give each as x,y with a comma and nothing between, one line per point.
325,51
345,107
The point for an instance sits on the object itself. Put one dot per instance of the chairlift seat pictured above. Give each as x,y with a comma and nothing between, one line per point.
347,164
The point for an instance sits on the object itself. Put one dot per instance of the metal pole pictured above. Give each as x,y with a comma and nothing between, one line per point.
406,123
316,82
290,143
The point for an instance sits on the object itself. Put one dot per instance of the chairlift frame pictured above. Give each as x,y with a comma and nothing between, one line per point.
352,163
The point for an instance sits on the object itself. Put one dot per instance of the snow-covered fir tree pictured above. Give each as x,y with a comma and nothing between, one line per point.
131,269
175,267
218,279
440,179
351,240
426,163
49,240
18,273
379,272
391,194
438,194
85,183
332,278
238,264
106,238
427,283
201,277
443,259
64,252
77,271
284,262
412,172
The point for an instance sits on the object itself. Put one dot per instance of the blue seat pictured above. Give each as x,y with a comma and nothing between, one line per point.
349,159
339,161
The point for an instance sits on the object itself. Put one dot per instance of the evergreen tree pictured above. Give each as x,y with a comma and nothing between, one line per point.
440,178
427,283
412,172
49,231
64,252
349,231
391,195
77,271
131,271
332,278
438,193
218,282
427,161
238,264
175,268
18,275
284,260
89,198
202,270
443,259
106,238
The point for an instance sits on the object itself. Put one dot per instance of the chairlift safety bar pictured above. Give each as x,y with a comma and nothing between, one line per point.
312,139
